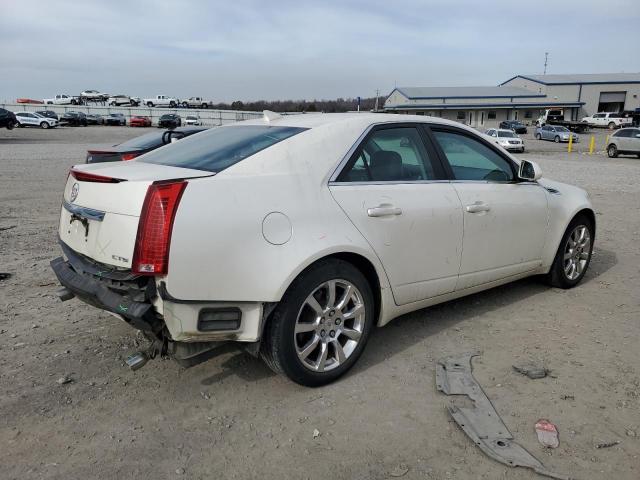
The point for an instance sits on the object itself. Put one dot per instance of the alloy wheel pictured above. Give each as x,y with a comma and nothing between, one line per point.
576,252
329,325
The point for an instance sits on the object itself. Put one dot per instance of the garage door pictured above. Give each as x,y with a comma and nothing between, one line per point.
613,97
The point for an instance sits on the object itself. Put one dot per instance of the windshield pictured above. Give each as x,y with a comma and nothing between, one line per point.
507,134
221,147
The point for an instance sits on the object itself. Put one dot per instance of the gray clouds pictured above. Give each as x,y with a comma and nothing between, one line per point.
249,49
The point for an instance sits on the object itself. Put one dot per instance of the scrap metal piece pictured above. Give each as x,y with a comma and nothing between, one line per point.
481,422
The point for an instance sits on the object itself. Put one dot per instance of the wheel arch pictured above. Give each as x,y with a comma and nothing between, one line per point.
371,271
588,212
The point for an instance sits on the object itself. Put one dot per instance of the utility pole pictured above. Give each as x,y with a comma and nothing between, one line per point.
546,56
377,94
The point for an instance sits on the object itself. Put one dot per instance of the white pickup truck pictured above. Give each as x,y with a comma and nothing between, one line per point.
161,101
609,120
62,100
196,102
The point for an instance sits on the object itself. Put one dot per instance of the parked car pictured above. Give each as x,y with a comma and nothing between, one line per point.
8,119
118,100
556,133
62,99
169,120
74,119
95,119
515,125
115,119
625,141
161,101
94,96
507,139
29,100
251,233
192,120
137,146
196,102
48,114
558,117
32,119
608,120
139,121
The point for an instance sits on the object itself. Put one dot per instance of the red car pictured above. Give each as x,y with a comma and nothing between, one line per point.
139,121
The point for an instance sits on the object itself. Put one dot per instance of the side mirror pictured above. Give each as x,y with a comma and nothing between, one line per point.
529,171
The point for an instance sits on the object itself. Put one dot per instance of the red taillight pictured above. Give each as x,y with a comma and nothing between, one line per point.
151,254
129,156
92,177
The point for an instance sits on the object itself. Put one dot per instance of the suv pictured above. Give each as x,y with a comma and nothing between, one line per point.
74,119
515,125
169,120
624,141
609,120
7,119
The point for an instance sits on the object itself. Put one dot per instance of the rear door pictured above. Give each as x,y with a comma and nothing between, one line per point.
505,220
394,189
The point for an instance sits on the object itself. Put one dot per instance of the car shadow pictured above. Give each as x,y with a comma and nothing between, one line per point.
407,330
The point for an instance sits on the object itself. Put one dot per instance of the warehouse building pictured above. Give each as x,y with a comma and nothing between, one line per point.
523,97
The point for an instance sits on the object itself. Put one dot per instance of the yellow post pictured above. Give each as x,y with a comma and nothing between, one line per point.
606,142
592,144
570,144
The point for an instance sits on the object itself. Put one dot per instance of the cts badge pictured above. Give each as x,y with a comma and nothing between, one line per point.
74,192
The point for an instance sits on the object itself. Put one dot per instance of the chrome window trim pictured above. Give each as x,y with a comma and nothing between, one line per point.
390,182
84,212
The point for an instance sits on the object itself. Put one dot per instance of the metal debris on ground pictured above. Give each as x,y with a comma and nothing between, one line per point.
608,444
547,433
4,275
481,422
64,380
532,371
399,471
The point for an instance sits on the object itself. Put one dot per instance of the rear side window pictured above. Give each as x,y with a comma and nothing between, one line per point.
219,148
390,155
472,160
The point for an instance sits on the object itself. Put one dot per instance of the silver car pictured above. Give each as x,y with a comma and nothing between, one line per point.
556,133
624,141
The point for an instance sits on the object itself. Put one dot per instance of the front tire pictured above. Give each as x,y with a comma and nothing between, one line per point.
611,125
44,125
150,104
538,136
320,328
612,151
574,254
556,139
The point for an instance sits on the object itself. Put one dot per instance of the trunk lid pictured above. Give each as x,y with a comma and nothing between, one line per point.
100,219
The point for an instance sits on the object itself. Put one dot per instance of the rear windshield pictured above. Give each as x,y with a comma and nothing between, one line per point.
219,148
145,141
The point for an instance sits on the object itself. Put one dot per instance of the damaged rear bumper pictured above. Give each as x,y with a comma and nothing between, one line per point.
91,285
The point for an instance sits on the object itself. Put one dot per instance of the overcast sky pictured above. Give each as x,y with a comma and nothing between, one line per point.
250,49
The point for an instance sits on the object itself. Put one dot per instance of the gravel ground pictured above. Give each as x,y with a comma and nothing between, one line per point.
232,418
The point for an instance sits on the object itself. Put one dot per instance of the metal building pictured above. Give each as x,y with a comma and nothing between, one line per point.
522,97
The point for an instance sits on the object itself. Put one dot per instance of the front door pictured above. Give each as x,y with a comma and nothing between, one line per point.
394,190
505,221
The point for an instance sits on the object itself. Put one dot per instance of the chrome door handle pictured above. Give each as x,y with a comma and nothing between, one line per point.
477,207
384,211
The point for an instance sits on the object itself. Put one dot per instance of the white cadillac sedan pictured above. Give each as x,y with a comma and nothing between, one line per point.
296,235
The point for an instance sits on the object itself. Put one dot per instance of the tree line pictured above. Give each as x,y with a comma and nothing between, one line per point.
327,106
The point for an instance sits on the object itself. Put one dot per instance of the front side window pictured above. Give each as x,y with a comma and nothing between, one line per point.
390,155
219,148
471,159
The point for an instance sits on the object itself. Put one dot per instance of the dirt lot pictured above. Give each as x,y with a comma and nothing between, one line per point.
232,418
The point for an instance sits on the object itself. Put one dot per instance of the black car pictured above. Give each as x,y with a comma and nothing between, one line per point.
169,120
7,119
48,114
514,125
95,119
137,146
115,119
74,119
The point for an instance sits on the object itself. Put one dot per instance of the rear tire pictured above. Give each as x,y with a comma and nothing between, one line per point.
611,125
612,151
150,104
337,299
172,104
574,254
